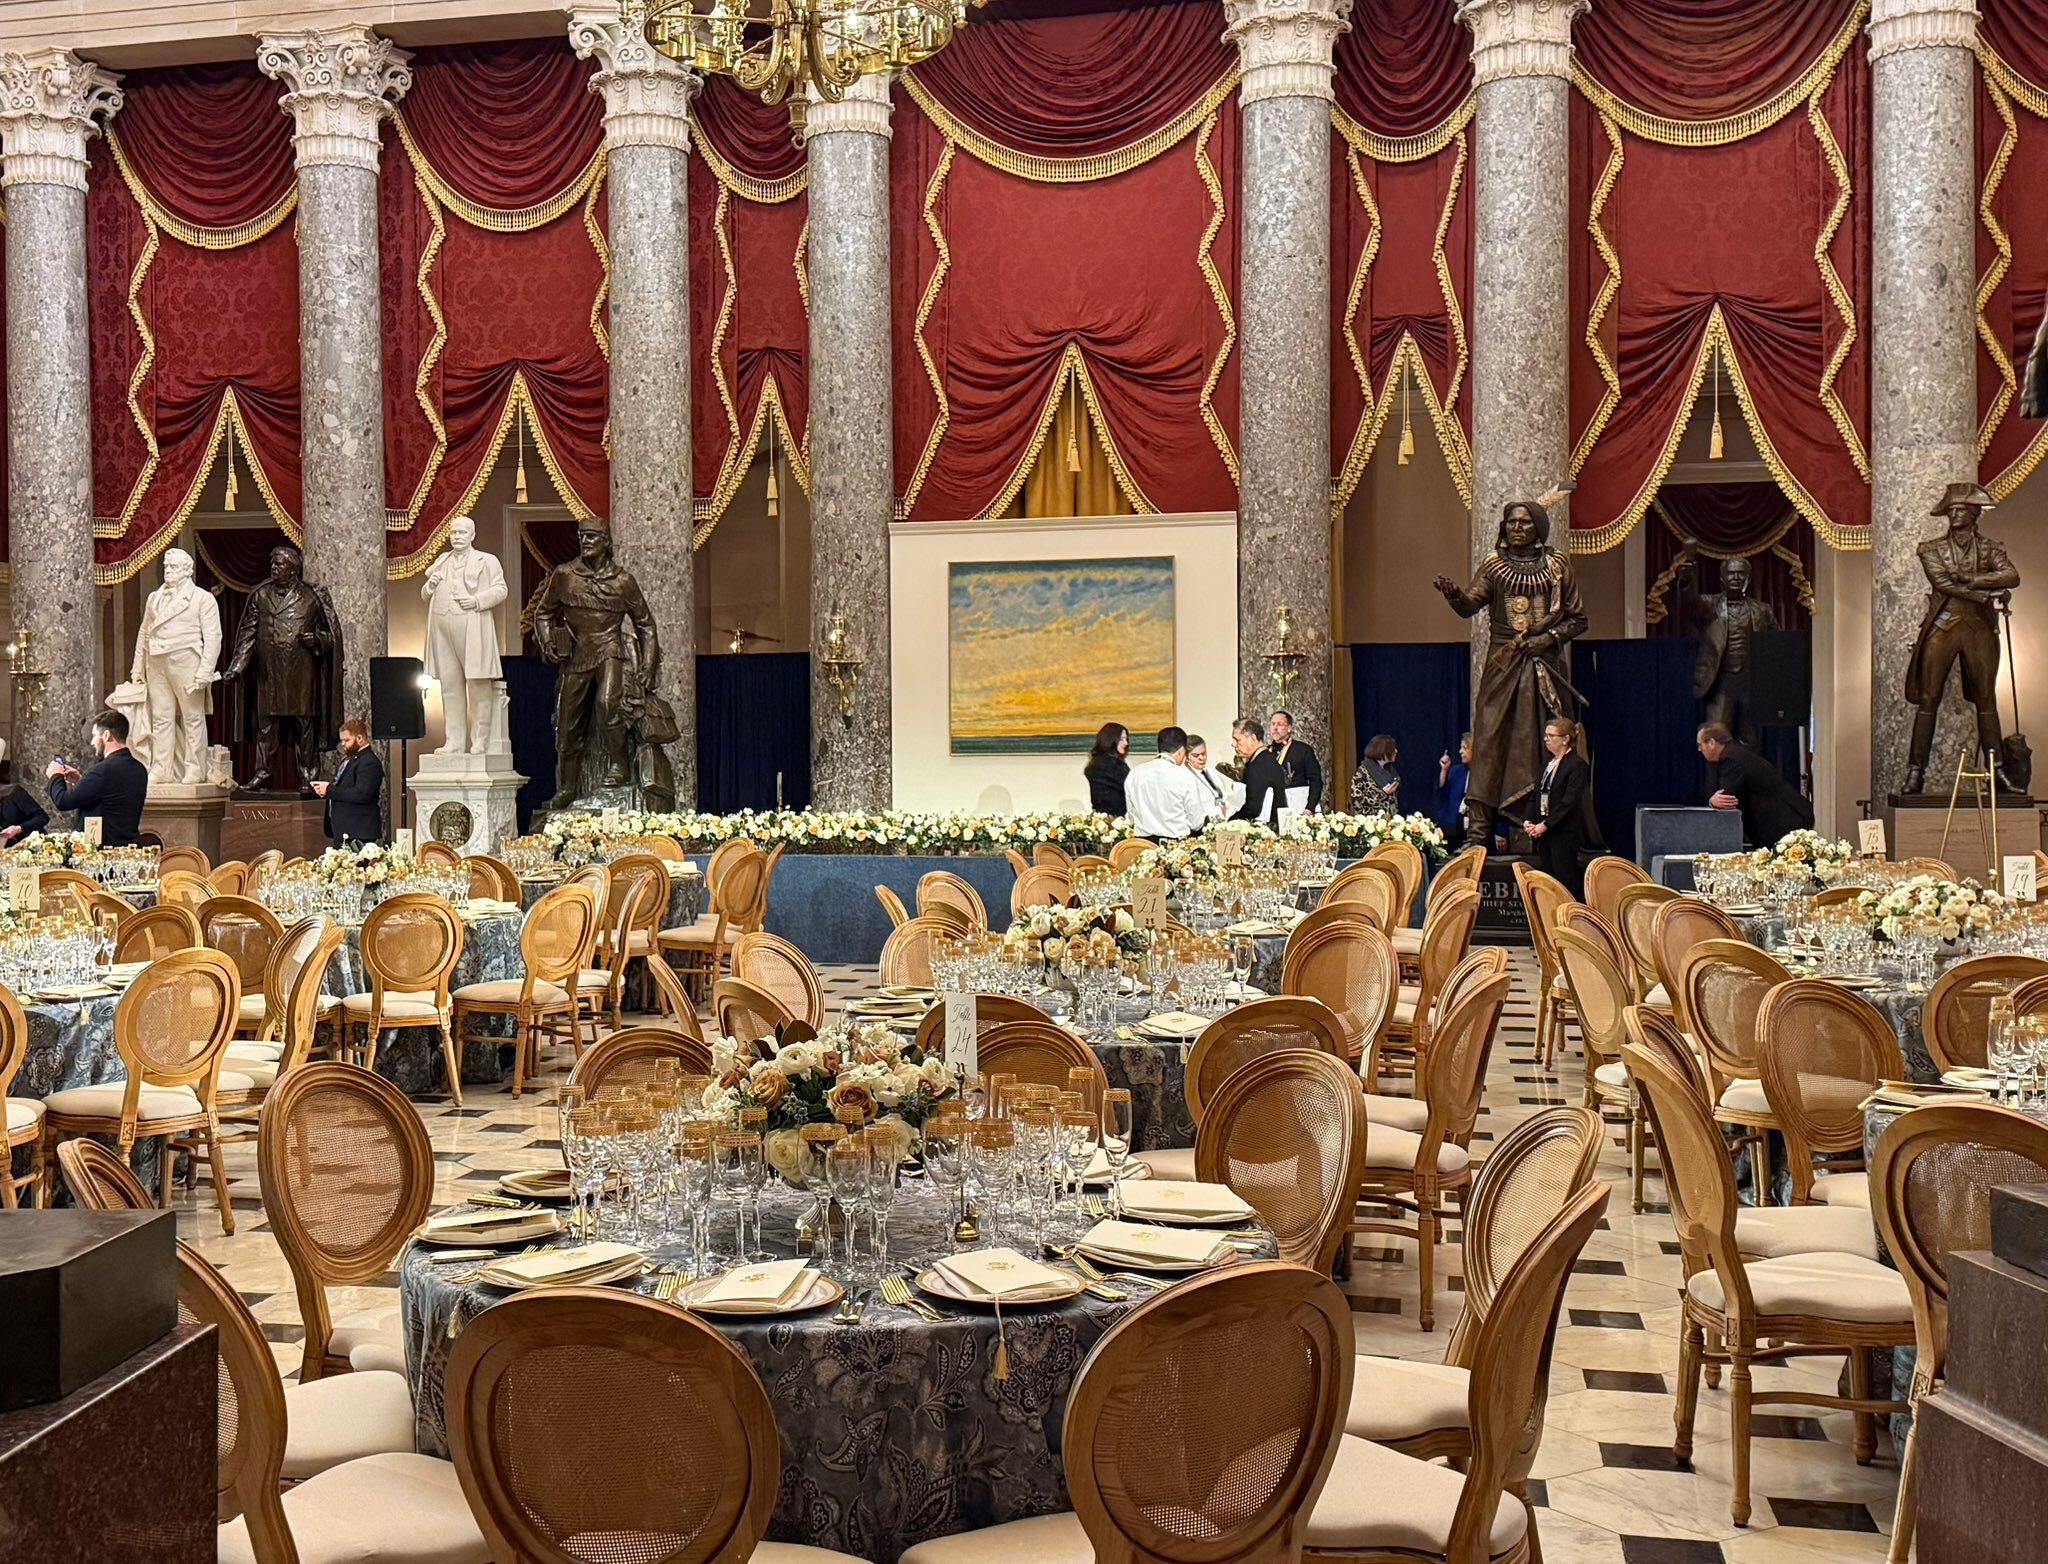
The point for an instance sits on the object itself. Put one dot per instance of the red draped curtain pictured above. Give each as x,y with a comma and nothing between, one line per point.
1401,236
494,268
192,306
1082,231
1720,187
749,322
2012,232
1752,520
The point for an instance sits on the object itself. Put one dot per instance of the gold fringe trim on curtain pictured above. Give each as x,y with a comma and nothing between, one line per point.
422,392
2006,87
153,453
1071,170
1603,299
1730,127
1407,361
769,412
595,229
1072,366
1654,606
199,236
498,219
1831,280
944,414
765,192
1403,149
726,303
1217,292
1352,471
1457,452
803,276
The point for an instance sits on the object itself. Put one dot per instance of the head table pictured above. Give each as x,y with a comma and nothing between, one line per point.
894,1429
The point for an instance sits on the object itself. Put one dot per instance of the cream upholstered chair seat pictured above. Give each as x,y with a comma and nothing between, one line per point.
1842,1189
249,1048
1657,999
253,1009
383,1326
417,1003
1396,1113
104,1101
1170,1162
22,1112
1827,1286
700,934
1745,1096
1393,1398
375,1355
593,978
1042,1539
506,991
1770,1232
1379,1499
1386,1147
344,1417
1407,942
395,1506
1613,1074
799,1553
247,1075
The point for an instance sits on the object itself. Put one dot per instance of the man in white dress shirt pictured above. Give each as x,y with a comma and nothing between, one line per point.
1163,797
177,653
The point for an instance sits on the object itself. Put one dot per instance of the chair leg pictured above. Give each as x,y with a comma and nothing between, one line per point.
1543,1022
1635,1150
1425,1252
1738,1434
218,1162
524,1035
1691,1352
453,1056
1865,1423
8,1199
166,1168
1908,1506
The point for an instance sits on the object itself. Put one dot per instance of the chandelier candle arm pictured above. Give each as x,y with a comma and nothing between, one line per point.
777,47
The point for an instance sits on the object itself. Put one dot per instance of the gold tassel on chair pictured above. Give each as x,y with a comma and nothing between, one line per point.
774,494
1407,450
1714,442
519,472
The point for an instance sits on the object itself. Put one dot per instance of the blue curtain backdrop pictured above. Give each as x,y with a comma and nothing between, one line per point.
1421,693
530,715
753,720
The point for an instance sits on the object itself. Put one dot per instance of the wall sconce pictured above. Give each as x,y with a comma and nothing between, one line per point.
28,679
1284,660
842,671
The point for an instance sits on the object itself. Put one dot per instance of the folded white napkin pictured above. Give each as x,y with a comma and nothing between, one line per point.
562,1265
999,1273
1254,926
1137,1243
1174,1023
478,1221
1166,1197
776,1282
683,871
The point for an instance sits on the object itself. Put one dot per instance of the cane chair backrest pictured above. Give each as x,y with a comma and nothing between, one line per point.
1488,961
410,944
230,878
990,1012
157,931
66,892
1129,851
292,985
1956,1020
249,1417
1247,1032
1600,993
100,1179
438,853
492,878
1047,855
1721,987
106,909
1039,1053
1039,888
1406,860
189,859
13,1039
1205,1422
172,1024
1698,1172
1017,861
245,931
1835,895
892,904
666,848
1635,915
747,1013
1581,919
592,876
742,891
1543,897
1371,887
179,887
668,1449
1454,1070
907,953
556,939
1446,933
1822,1051
722,858
1657,1031
672,1001
269,861
1287,1133
631,1055
1463,867
770,962
1093,862
943,888
1605,877
642,872
1937,867
1351,967
1677,927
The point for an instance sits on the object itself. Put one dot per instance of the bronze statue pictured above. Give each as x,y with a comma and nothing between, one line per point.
1726,624
292,635
594,624
1531,598
1971,580
2034,388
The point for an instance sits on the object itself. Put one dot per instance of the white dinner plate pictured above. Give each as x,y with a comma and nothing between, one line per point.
822,1292
940,1285
1745,910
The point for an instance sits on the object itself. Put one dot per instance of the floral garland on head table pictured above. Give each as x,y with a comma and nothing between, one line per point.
1356,835
586,836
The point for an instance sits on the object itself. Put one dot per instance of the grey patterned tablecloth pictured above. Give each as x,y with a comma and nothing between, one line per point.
893,1429
72,1044
1154,1073
410,1057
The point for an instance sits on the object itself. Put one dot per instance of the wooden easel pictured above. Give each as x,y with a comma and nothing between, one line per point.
1984,799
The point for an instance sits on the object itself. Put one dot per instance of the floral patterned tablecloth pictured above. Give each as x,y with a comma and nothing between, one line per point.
410,1057
893,1429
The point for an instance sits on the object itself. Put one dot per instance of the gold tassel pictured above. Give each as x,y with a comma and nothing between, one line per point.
234,483
519,473
1407,450
1073,423
774,494
1714,442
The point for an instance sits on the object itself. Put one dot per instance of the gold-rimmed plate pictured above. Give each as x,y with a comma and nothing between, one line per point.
1128,1262
940,1285
822,1293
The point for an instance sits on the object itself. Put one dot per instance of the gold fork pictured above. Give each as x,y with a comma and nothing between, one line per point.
897,1291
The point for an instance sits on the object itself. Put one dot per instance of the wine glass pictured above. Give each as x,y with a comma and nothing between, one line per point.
1080,1133
1116,1141
885,1158
848,1172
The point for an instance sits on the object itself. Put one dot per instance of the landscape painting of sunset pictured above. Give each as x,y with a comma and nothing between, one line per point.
1043,652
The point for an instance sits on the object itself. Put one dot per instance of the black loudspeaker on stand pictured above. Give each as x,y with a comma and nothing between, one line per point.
398,710
1781,678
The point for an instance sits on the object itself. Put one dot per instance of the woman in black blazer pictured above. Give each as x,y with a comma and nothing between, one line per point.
1107,768
1558,825
20,812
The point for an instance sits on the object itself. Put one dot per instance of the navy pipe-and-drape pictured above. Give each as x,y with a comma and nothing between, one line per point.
1421,693
753,721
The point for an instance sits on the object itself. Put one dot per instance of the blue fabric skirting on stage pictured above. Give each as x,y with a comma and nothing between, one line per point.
825,904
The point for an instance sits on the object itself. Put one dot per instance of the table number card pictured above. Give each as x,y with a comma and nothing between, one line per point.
401,840
24,889
2019,878
1229,848
1148,903
1870,838
963,1034
1283,820
93,827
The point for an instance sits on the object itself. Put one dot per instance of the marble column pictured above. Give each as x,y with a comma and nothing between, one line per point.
1283,356
50,102
1521,73
852,474
341,84
647,142
1923,387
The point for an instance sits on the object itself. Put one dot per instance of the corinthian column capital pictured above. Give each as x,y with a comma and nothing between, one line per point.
646,94
1520,37
864,109
343,82
50,102
1896,25
1284,46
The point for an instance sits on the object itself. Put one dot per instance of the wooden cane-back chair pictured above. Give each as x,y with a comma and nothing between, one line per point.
1581,919
770,962
157,931
182,888
492,878
292,979
1089,862
1371,887
1721,988
1601,994
892,904
438,853
269,861
1287,1132
1405,858
1247,1032
1445,935
1635,914
1939,868
99,1180
954,917
747,1013
666,848
1956,1020
672,1001
943,888
1039,1053
410,944
1129,851
1048,855
24,1115
1543,897
347,1173
106,909
555,943
1822,1050
1677,927
66,892
649,875
723,857
230,878
171,1029
190,860
1039,888
1932,1174
245,931
250,1418
1464,867
907,953
1835,895
738,900
629,1057
990,1012
1605,878
1349,966
1017,861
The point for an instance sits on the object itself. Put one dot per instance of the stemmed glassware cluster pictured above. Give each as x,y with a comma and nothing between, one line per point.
120,868
985,964
300,891
1200,968
40,953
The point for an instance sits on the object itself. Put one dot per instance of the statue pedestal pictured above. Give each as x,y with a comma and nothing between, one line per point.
1913,826
187,814
471,802
259,821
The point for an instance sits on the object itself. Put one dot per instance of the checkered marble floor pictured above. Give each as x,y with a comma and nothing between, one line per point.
1607,1488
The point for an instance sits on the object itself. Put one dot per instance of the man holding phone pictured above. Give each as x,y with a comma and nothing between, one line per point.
114,789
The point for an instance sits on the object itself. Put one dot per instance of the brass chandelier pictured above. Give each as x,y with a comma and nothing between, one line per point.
772,47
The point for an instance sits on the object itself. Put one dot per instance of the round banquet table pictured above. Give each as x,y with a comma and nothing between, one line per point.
71,1043
893,1429
410,1057
1152,1070
685,895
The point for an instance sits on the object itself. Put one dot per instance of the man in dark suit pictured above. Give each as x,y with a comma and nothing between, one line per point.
1264,782
355,798
1558,825
114,789
1298,762
1739,778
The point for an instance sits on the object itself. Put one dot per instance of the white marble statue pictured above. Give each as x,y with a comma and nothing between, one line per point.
177,660
461,589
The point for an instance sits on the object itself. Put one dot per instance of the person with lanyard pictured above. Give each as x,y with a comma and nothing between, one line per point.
1298,762
1559,825
1198,767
